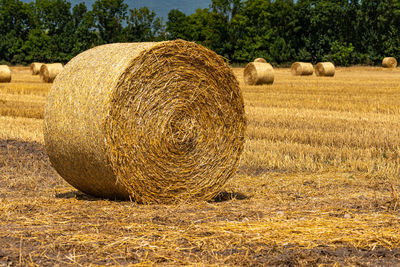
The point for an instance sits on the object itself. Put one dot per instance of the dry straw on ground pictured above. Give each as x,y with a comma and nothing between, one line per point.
260,59
151,122
35,68
389,62
5,74
302,68
325,69
257,73
48,72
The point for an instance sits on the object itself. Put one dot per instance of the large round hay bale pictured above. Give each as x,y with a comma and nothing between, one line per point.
35,67
389,62
325,69
151,122
5,74
257,73
302,68
260,59
48,72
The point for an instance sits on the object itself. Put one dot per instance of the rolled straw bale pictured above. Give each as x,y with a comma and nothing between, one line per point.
389,62
35,67
5,74
257,73
48,72
151,122
325,69
302,68
260,59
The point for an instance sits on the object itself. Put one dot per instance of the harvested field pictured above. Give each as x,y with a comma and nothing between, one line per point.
318,184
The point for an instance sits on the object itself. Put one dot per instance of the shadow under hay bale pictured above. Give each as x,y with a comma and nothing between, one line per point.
150,122
302,68
389,62
226,196
77,195
257,73
5,74
326,69
35,68
48,72
260,59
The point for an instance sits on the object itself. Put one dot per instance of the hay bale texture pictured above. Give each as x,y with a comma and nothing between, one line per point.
325,69
260,59
257,73
151,122
302,68
389,62
35,68
5,74
48,72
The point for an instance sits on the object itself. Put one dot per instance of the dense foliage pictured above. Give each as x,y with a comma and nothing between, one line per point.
343,31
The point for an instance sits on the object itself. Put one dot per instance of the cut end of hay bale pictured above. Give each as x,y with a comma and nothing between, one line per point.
389,62
35,68
5,74
260,59
257,73
48,72
302,68
152,122
326,69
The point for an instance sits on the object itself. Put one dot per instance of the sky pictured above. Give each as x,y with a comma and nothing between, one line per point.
161,7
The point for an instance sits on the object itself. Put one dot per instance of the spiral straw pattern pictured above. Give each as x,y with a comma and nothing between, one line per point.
151,122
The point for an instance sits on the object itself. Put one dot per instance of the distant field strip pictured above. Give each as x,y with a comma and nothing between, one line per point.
25,96
29,106
350,122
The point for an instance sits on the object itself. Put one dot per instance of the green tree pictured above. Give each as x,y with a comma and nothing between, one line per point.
109,16
326,20
38,47
226,8
222,37
284,24
54,18
177,25
142,25
253,31
85,36
16,19
341,54
388,28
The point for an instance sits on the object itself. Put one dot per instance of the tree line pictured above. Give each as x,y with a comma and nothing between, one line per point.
281,31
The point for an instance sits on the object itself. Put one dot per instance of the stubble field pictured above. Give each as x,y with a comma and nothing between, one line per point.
318,184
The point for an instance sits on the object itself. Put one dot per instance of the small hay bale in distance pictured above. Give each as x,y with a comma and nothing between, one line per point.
260,59
257,73
48,72
5,74
151,122
302,68
389,62
35,68
326,69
